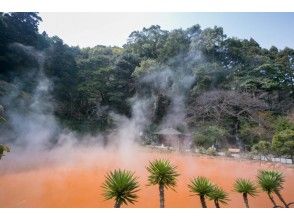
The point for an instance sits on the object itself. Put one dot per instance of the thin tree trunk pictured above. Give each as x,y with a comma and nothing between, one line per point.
216,204
161,196
203,203
117,204
245,198
282,199
272,199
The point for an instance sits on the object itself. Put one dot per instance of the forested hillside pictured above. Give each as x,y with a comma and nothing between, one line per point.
220,89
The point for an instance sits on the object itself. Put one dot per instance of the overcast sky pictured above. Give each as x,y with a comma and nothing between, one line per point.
90,29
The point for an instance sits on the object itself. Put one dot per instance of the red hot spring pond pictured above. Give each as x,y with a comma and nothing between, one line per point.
73,178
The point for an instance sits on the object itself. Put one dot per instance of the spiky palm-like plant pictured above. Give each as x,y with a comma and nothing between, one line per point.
3,149
163,174
218,195
122,186
272,181
202,187
246,187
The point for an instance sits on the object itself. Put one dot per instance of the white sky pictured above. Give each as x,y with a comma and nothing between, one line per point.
90,29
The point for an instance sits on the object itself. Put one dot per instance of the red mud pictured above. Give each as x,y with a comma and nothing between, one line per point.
79,185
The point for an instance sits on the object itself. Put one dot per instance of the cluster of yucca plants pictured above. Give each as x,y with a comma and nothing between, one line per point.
204,188
123,185
271,182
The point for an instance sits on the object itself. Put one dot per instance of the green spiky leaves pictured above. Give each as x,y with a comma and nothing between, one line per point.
122,186
162,172
270,180
218,194
245,186
201,186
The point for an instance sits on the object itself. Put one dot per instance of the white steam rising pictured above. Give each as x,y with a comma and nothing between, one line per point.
32,121
37,137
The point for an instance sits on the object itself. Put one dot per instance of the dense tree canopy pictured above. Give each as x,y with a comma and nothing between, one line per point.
212,81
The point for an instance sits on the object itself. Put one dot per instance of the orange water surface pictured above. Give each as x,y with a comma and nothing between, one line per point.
78,183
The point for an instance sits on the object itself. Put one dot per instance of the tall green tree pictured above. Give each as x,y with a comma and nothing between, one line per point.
148,42
176,44
283,143
18,27
263,148
163,174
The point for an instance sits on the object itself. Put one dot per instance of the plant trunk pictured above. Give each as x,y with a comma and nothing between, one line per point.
281,198
202,200
272,199
117,204
245,198
161,195
216,204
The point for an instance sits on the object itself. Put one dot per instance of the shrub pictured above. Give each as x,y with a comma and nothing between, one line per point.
282,123
208,136
283,143
263,148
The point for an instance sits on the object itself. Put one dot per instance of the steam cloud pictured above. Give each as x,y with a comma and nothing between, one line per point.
36,135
